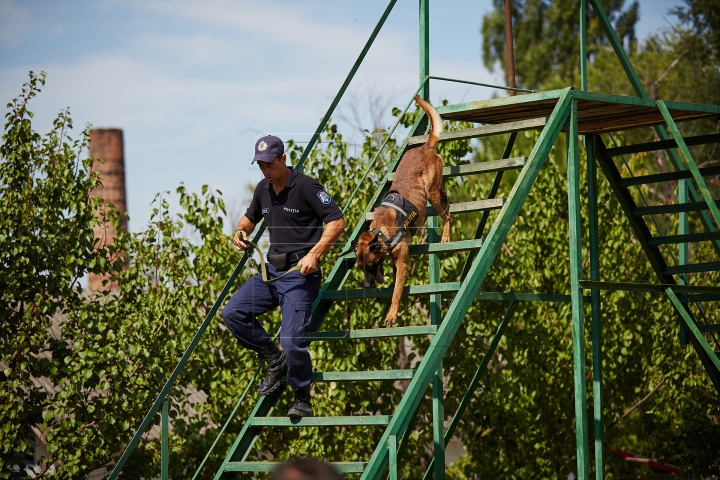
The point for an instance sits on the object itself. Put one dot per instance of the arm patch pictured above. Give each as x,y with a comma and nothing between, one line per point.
324,197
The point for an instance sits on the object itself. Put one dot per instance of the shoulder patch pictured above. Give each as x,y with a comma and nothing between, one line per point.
324,197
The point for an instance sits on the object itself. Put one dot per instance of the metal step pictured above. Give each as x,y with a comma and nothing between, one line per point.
666,177
693,268
662,145
367,376
373,333
486,131
709,328
342,467
427,289
477,168
463,207
686,238
699,298
674,208
355,420
447,247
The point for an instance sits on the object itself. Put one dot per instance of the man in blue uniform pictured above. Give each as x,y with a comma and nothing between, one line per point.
294,207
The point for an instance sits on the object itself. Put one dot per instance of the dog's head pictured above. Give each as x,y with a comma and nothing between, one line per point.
370,253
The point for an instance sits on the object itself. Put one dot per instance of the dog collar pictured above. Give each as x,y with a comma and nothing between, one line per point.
406,214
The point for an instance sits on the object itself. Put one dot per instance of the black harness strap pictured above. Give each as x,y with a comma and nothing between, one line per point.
406,214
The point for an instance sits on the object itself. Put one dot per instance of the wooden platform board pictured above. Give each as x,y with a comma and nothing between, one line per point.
597,112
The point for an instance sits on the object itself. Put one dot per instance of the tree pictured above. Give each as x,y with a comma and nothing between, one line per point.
46,247
546,37
106,360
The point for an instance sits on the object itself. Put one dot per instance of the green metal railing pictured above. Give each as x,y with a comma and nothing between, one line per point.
500,87
231,281
390,448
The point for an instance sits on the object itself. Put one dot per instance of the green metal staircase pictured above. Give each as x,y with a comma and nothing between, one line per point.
563,115
442,332
577,113
674,277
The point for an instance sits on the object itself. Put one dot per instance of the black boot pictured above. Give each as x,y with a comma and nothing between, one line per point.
302,406
277,368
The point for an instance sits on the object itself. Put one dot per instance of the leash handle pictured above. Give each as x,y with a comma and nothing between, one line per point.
263,268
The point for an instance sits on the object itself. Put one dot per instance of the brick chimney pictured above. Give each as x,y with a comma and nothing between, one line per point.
107,144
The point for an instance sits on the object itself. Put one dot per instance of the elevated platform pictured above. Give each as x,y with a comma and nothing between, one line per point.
597,112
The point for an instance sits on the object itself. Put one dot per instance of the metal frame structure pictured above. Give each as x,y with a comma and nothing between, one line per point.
576,113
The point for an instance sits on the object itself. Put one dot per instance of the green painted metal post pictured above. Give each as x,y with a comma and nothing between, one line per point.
598,431
165,440
438,408
393,461
583,46
683,253
578,330
425,48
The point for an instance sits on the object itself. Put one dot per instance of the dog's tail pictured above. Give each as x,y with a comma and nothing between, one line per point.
436,126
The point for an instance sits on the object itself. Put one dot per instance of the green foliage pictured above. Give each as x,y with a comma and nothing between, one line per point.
46,246
704,18
545,36
521,423
84,368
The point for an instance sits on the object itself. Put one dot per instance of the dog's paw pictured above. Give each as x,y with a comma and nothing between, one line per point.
445,239
390,321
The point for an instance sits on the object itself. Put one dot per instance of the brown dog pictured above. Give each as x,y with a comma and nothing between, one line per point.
418,179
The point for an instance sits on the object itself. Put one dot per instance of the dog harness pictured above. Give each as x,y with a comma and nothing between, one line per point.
405,217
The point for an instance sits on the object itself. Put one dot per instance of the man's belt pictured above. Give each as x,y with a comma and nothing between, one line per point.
296,256
299,255
282,261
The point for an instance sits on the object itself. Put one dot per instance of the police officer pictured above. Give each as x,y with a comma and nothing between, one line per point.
294,207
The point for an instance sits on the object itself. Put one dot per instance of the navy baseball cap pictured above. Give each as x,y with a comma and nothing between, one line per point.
267,148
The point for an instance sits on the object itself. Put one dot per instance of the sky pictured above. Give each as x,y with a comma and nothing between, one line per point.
193,83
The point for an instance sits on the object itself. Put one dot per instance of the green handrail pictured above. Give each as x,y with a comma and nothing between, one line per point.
226,289
231,416
501,87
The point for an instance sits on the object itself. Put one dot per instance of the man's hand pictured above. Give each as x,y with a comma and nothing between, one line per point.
239,240
309,263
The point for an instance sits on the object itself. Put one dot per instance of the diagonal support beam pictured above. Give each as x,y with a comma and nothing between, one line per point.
642,233
685,152
470,392
640,91
707,356
462,301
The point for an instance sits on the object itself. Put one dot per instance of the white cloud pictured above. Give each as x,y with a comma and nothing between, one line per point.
192,49
192,95
269,23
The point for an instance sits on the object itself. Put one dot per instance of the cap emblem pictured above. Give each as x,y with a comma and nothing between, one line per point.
262,146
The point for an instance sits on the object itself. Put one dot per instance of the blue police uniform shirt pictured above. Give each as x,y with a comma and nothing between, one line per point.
295,216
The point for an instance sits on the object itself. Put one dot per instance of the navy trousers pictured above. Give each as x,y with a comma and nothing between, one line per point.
294,294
